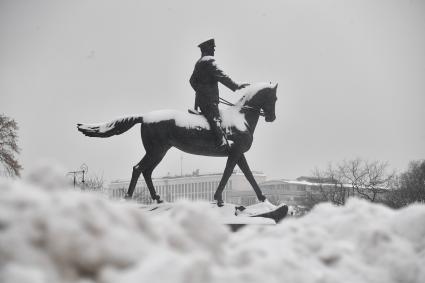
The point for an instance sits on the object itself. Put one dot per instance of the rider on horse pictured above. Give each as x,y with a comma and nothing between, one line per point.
204,81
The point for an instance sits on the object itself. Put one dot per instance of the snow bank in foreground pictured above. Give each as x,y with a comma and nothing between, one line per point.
63,236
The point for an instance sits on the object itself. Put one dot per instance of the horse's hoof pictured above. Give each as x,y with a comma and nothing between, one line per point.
219,200
262,198
220,203
158,199
127,197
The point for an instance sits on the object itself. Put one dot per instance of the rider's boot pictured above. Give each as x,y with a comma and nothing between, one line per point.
221,139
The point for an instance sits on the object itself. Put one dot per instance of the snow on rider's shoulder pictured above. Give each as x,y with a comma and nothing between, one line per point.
207,58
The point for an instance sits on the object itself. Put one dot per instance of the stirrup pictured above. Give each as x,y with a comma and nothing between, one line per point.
223,144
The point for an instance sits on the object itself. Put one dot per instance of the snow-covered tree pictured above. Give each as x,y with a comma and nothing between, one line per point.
410,186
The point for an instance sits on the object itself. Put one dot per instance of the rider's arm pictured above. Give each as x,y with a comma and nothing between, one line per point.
223,77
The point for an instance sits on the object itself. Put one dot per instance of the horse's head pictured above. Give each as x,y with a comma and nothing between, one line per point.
261,97
270,103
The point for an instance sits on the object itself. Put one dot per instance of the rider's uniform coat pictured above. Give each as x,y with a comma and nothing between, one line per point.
204,81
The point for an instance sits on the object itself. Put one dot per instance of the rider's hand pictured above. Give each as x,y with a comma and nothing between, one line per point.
243,85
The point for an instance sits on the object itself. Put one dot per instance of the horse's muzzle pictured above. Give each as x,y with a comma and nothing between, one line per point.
270,118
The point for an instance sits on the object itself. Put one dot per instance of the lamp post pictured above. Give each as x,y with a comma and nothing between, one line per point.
181,165
83,170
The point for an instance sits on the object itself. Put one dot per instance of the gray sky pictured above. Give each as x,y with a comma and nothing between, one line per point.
351,77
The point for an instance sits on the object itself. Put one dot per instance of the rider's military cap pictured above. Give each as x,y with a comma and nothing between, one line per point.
206,44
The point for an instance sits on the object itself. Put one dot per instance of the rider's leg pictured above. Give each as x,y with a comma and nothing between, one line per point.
212,114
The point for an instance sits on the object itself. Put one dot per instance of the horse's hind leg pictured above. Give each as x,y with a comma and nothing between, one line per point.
146,166
137,170
154,160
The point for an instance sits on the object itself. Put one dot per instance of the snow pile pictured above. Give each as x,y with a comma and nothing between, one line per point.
65,236
360,242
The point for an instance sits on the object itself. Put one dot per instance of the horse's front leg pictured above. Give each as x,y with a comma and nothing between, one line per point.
230,165
243,164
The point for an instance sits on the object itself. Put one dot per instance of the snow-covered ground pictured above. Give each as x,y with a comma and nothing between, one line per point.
52,234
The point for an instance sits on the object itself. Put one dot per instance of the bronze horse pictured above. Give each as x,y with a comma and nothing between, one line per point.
163,129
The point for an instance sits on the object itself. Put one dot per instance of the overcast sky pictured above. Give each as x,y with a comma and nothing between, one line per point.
351,78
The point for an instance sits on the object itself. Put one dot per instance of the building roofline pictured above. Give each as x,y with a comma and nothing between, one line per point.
286,181
176,177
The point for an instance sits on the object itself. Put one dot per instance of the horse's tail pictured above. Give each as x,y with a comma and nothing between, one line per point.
115,127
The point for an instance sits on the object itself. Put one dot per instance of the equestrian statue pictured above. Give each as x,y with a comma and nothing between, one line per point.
212,132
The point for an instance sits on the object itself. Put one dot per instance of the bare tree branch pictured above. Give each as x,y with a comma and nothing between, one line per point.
9,145
368,180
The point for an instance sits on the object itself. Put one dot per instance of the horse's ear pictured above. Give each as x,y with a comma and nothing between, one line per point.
275,86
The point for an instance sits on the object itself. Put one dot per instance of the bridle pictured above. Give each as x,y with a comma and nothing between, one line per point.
245,107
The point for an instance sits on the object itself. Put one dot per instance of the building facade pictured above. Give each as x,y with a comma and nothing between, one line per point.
297,193
308,191
290,192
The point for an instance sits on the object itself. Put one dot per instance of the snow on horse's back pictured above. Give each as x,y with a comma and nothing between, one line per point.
231,117
182,119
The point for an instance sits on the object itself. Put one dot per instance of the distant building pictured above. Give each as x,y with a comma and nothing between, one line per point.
291,192
237,191
307,191
193,187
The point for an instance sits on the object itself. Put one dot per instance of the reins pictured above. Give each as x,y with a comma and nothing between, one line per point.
225,102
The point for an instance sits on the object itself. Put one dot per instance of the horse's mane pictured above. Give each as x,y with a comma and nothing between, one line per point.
251,90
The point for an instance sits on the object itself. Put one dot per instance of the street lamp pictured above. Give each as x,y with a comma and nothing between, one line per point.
83,170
